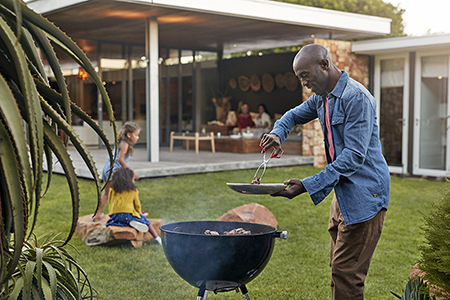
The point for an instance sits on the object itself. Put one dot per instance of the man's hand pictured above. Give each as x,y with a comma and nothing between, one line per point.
271,140
295,188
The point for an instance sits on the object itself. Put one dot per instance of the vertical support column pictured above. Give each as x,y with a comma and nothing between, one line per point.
99,95
194,93
222,85
152,88
180,93
160,115
123,96
130,84
167,98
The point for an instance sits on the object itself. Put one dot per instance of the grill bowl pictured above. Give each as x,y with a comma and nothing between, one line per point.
217,263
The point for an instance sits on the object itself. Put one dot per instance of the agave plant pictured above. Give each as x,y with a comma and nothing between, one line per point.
415,289
47,271
31,115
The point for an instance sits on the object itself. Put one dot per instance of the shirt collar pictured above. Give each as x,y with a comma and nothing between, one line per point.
340,85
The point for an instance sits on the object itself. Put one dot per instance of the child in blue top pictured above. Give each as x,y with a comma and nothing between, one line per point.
127,138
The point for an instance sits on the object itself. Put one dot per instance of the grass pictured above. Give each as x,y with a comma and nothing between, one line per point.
298,268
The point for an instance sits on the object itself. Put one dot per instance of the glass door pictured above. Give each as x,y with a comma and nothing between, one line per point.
431,132
391,92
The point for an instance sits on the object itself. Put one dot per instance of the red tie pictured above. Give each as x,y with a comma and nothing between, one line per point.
327,124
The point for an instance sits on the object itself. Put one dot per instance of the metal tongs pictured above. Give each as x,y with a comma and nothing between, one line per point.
263,165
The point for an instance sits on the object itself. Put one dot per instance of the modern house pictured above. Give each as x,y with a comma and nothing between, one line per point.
163,60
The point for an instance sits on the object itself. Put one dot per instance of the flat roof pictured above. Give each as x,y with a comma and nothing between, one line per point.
381,46
231,26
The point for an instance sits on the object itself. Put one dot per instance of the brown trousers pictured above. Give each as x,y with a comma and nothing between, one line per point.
351,251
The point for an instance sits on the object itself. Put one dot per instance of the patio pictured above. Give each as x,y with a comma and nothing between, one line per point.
181,162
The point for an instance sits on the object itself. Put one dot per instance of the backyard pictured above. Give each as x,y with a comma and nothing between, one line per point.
298,268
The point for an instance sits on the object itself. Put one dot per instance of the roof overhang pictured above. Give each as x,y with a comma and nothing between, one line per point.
409,44
231,26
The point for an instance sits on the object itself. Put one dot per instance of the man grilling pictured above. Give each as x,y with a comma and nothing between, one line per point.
356,170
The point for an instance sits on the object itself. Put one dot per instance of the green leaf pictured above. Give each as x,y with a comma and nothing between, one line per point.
35,293
52,278
38,274
28,46
29,273
17,289
12,117
52,59
18,10
10,169
53,141
28,89
67,292
46,290
49,159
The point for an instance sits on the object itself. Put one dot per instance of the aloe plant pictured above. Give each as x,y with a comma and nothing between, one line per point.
415,289
31,115
46,270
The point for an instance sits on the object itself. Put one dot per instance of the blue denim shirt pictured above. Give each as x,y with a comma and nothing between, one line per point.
358,173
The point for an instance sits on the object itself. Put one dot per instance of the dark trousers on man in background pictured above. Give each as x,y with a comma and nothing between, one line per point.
351,251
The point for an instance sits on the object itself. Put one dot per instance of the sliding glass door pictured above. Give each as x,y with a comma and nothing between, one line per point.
431,134
391,92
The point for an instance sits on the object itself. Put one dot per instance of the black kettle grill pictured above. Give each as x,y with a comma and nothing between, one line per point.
218,263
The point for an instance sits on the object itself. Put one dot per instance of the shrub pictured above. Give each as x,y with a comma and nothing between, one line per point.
436,251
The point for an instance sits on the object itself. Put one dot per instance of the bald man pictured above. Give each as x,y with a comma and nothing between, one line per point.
356,169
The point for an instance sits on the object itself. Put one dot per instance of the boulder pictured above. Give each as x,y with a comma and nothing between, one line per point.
250,213
96,233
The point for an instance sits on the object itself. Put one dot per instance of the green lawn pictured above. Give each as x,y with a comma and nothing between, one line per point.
298,268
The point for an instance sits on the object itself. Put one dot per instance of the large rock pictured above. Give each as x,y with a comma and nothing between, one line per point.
96,233
250,213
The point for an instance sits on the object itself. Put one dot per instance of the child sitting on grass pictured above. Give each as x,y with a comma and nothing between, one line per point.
124,204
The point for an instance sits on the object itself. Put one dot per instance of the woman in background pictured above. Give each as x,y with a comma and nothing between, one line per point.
244,118
263,120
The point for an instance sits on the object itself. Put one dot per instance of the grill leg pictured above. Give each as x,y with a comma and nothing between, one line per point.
244,292
202,294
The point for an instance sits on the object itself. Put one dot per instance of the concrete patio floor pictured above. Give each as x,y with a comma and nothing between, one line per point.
181,162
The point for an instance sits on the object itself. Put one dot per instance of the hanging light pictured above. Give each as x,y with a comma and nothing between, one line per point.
82,74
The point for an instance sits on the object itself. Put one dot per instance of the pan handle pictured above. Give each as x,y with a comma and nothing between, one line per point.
281,235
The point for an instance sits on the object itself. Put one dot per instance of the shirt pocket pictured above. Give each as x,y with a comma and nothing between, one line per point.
337,123
337,120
